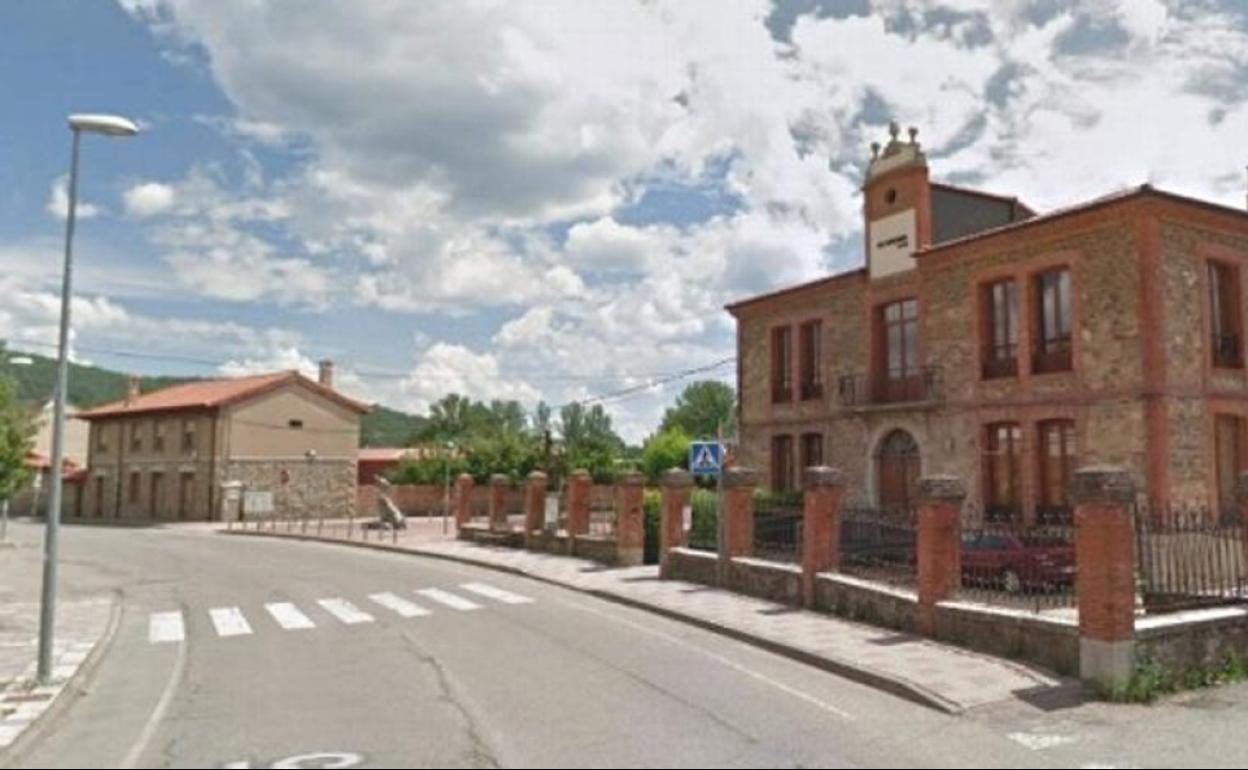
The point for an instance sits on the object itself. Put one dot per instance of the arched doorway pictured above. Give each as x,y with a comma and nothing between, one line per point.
897,470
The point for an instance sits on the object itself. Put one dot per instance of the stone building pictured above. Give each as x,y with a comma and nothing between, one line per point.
198,450
1007,347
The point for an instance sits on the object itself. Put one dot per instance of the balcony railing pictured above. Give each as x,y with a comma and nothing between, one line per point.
998,367
860,391
1052,356
811,389
1226,351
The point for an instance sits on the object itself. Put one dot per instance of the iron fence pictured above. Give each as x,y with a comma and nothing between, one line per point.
778,526
1017,564
602,523
1189,558
879,544
703,534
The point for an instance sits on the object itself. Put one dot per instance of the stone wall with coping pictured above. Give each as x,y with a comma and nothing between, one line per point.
694,566
313,489
762,579
866,602
1020,635
1183,641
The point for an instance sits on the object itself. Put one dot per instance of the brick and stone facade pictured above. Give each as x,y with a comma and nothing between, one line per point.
173,454
1149,375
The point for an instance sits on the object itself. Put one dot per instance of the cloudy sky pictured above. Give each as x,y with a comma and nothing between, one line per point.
546,199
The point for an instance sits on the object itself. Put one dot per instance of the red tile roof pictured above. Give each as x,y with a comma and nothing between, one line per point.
211,394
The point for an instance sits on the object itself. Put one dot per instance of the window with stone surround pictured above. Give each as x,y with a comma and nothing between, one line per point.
782,463
1225,322
134,487
1057,460
810,360
136,436
812,450
781,364
1003,449
1053,322
158,436
1000,329
188,435
898,378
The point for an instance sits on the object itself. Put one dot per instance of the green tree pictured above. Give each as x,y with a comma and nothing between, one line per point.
663,450
701,408
589,440
17,428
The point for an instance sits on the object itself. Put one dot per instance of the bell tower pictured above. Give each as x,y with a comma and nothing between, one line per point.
897,204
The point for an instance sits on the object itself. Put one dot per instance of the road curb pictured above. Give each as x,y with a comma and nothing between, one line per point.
897,686
71,689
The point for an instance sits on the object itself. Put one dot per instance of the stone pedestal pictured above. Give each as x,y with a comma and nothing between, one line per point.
630,519
677,492
939,545
1105,574
821,526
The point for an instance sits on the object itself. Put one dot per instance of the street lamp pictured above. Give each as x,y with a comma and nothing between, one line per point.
108,125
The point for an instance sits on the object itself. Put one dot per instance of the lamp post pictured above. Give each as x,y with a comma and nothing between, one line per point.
107,125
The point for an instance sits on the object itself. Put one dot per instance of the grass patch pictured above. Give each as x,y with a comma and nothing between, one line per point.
1151,679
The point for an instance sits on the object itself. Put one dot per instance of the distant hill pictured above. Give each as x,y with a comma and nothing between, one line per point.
91,386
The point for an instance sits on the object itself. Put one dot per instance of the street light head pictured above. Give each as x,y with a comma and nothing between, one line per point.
109,125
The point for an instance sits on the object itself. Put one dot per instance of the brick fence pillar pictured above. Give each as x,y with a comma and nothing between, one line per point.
738,513
500,485
677,490
1105,573
463,499
939,546
579,483
630,519
821,526
534,505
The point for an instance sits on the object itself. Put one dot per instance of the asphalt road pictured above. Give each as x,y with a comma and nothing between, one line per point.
334,655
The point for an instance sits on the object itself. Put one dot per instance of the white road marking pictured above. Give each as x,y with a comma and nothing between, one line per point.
288,616
165,627
1040,741
398,604
345,611
229,621
158,711
497,594
448,599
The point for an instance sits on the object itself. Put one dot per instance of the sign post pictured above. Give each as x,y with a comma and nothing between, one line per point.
706,458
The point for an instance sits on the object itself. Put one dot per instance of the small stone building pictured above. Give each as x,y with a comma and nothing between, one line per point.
1007,347
280,440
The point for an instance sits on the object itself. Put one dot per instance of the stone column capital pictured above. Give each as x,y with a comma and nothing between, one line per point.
1103,485
737,476
941,489
677,478
822,476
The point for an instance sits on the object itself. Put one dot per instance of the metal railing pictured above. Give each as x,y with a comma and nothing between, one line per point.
703,533
1188,558
879,544
1226,351
1052,356
924,385
602,523
1017,565
778,526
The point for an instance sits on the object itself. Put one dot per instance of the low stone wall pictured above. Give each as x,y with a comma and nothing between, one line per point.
599,549
1048,641
864,601
694,566
1182,641
557,543
773,581
430,499
482,534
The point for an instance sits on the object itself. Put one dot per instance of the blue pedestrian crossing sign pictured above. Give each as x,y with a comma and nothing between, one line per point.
706,457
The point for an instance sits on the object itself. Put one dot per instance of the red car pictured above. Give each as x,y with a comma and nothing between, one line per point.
1016,564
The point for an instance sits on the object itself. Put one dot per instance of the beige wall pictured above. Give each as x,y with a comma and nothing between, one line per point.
253,443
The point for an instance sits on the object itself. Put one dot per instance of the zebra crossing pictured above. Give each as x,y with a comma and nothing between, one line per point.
170,626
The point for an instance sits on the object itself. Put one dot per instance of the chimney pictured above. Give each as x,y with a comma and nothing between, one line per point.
326,375
132,388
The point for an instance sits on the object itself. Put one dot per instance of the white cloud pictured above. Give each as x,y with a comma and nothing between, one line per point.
445,368
148,199
436,173
58,202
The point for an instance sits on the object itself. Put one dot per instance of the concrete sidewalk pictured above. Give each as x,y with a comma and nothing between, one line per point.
939,675
81,623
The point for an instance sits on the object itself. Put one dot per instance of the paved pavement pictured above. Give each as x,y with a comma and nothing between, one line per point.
940,675
82,621
254,651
